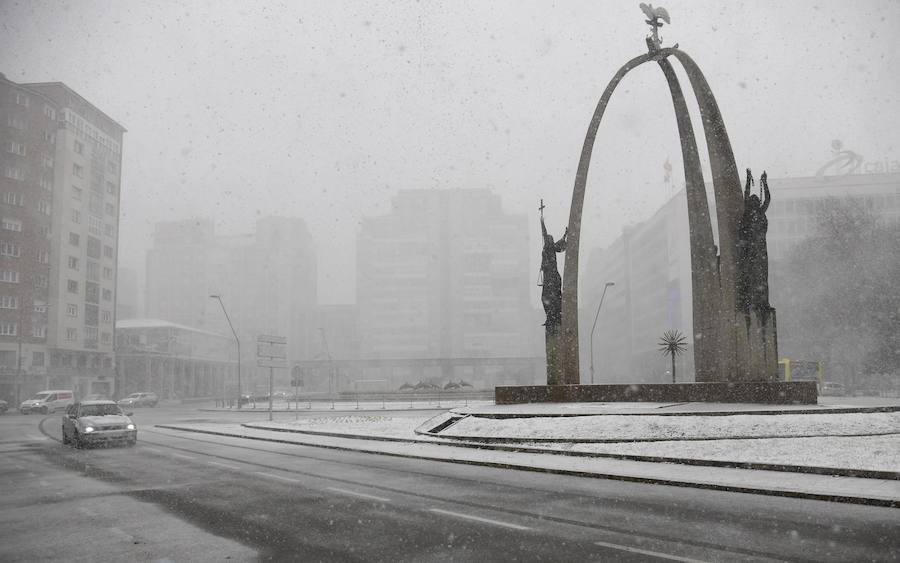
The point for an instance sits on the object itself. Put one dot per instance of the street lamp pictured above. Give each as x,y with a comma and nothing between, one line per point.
605,287
236,339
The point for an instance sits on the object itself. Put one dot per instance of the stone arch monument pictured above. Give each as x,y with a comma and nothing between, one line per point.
731,343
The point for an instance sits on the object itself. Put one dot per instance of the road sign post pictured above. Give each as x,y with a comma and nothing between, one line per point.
271,352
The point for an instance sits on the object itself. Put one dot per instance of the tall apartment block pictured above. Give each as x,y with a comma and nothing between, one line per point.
61,175
445,274
267,281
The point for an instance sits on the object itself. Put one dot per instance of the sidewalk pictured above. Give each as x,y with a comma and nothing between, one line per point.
856,490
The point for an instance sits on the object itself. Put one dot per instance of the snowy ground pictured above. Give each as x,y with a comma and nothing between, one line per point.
831,448
650,427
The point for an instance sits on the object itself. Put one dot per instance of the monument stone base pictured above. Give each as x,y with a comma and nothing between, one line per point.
762,392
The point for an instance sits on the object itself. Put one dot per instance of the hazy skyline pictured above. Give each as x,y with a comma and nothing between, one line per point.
325,110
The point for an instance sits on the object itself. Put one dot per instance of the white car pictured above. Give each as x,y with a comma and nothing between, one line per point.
48,401
95,422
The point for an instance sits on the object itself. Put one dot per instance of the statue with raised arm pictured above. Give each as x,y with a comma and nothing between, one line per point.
551,293
753,256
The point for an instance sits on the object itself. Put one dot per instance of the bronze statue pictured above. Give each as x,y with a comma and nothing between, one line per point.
551,294
753,256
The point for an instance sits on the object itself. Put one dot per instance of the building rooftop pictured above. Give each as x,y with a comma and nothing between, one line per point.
159,323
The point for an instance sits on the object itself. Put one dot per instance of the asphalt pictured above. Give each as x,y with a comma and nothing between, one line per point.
866,488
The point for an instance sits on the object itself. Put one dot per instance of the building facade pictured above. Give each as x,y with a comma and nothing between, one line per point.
174,361
445,274
267,282
61,161
650,265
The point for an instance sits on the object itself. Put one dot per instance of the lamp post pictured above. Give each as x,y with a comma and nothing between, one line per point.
236,339
596,316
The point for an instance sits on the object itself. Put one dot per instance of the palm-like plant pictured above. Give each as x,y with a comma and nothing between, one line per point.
672,344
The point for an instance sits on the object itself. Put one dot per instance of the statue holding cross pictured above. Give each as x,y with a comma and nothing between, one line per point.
551,294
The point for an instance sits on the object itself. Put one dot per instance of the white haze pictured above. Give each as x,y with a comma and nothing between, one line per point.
323,110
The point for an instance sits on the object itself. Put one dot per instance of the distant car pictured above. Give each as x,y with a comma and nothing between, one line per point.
96,397
144,399
48,401
830,388
4,406
96,422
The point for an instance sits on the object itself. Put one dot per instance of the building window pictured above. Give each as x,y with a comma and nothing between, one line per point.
73,263
40,307
71,334
109,230
39,331
37,358
76,193
106,316
40,281
15,122
73,286
93,247
13,147
107,273
51,113
14,173
9,302
110,208
110,188
10,249
107,295
95,204
71,310
76,216
77,170
46,184
94,225
45,231
8,329
78,147
108,251
93,271
9,276
44,206
47,160
49,137
74,239
22,99
43,256
106,338
14,198
12,225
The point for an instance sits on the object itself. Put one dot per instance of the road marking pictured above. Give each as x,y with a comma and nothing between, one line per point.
354,493
225,465
182,456
479,519
273,476
647,552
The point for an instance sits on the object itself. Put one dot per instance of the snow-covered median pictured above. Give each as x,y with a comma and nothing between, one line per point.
629,428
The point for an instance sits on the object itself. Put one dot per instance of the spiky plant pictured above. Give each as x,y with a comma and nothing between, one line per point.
672,344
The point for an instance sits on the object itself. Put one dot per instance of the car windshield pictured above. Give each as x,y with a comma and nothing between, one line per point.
100,410
134,396
40,397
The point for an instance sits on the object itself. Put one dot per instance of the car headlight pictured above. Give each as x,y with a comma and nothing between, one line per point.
88,429
130,427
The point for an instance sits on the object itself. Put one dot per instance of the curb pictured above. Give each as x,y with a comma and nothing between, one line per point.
868,501
808,469
820,410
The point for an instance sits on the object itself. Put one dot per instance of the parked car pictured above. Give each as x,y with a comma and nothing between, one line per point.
143,399
95,422
833,389
4,406
96,397
48,401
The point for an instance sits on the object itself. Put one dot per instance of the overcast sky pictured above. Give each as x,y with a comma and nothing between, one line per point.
323,110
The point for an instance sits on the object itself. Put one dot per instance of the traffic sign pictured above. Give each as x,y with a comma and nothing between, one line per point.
271,350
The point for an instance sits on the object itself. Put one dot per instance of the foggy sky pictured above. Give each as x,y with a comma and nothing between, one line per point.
323,110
